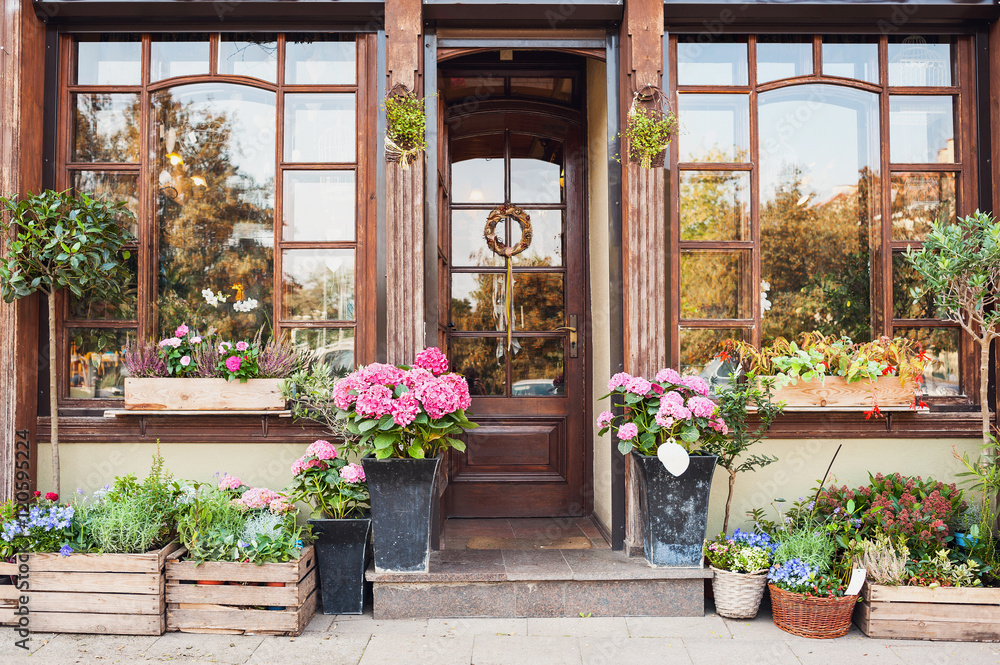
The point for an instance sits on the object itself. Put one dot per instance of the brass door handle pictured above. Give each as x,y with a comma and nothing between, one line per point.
571,329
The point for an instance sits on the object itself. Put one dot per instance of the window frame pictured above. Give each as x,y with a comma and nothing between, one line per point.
364,245
965,168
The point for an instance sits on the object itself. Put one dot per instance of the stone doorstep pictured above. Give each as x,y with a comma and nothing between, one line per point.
540,583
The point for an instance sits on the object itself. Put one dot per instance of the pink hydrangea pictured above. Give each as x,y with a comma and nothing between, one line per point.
305,463
181,331
416,377
380,374
256,498
673,397
695,383
242,346
638,385
604,419
405,409
441,396
667,375
664,420
353,473
233,363
461,388
225,347
618,380
702,407
346,391
374,402
280,505
432,359
628,431
170,341
719,425
228,482
321,449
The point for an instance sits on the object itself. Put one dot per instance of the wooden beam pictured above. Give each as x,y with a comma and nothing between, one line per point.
22,78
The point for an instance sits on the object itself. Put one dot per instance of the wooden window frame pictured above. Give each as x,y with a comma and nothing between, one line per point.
364,244
965,167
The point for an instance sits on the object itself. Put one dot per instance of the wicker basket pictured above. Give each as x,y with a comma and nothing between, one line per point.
805,616
737,595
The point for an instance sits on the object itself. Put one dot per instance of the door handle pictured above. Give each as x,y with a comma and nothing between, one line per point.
573,341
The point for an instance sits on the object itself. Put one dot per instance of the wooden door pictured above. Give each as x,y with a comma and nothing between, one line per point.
527,458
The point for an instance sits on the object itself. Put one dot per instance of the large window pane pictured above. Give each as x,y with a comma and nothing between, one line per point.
716,285
715,205
214,195
941,345
318,284
332,346
122,308
714,128
253,55
904,306
318,206
316,59
468,247
921,129
546,248
537,369
721,61
851,57
178,55
919,200
105,127
921,61
96,369
478,299
700,348
817,202
535,170
482,361
474,299
477,170
319,128
108,60
110,186
782,57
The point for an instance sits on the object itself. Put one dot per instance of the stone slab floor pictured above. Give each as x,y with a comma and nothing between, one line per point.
360,640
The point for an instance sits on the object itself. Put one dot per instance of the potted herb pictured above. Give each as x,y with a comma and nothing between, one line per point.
406,416
740,564
406,120
335,489
62,241
668,424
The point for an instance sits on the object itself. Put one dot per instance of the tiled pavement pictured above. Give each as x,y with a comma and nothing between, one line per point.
578,641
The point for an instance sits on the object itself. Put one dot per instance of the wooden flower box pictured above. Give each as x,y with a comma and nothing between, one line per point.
114,594
186,394
967,614
238,600
835,392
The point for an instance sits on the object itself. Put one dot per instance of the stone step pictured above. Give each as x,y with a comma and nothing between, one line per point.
538,583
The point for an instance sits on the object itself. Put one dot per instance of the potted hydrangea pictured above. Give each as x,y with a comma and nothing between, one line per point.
336,491
740,563
666,424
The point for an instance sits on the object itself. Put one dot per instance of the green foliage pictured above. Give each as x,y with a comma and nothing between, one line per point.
648,133
64,240
814,546
406,118
318,482
940,570
982,476
309,393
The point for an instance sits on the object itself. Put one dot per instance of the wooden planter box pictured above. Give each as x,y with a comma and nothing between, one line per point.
184,394
967,614
115,594
835,391
237,609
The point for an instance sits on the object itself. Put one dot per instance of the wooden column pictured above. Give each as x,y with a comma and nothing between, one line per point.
994,148
22,77
644,233
404,208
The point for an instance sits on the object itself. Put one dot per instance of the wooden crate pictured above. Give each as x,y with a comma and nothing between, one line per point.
235,609
184,394
835,392
967,614
114,594
8,596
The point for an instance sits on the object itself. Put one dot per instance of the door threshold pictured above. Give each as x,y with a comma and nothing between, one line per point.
522,533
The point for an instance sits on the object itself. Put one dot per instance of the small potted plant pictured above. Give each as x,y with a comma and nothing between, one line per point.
336,491
649,127
406,119
668,424
740,565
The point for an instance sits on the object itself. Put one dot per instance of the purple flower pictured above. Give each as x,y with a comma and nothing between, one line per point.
65,550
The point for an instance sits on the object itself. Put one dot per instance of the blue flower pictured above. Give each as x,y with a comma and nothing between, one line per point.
65,550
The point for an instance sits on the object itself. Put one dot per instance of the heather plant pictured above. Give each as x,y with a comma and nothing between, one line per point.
207,358
884,561
279,358
142,360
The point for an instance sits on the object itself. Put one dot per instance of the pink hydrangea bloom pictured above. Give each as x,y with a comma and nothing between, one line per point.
416,377
380,374
719,425
604,419
353,473
695,383
195,340
346,391
618,380
374,402
256,498
242,346
181,331
442,395
638,385
280,505
461,388
663,420
667,375
170,341
701,407
228,482
233,363
432,359
405,409
673,397
307,462
628,431
321,449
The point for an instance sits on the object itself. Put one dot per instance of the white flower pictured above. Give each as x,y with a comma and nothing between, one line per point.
210,297
245,305
195,340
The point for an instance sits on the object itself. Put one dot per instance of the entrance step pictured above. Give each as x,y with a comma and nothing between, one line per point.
538,583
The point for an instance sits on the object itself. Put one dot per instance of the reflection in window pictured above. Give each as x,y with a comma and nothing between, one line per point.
105,127
818,197
904,280
318,284
122,308
112,187
468,248
477,301
214,179
546,247
851,57
714,285
715,205
921,61
700,349
535,170
318,206
317,59
109,60
96,368
460,91
537,370
477,171
253,55
722,61
331,346
320,128
921,129
942,345
480,360
714,128
919,200
555,89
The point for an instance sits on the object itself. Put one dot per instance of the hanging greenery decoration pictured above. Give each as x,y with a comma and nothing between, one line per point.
404,136
650,127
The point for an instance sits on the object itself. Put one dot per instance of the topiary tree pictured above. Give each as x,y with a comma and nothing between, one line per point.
57,241
960,264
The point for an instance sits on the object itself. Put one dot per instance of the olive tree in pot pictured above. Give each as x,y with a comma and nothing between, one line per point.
58,241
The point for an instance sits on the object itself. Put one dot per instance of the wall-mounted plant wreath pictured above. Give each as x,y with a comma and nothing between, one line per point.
650,127
406,117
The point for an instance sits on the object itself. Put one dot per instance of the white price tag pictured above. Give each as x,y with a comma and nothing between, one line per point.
858,576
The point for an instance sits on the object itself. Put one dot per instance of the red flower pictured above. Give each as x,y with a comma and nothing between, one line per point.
51,496
37,493
875,411
723,355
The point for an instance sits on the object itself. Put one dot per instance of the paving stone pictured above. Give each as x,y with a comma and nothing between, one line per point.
515,650
320,622
311,649
477,627
703,628
536,565
843,650
945,653
182,647
605,651
744,652
580,627
369,626
402,650
759,628
109,648
36,641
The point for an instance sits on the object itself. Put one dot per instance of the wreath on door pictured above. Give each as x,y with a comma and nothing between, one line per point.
507,253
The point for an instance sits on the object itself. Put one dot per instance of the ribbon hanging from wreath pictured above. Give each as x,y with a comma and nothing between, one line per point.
497,246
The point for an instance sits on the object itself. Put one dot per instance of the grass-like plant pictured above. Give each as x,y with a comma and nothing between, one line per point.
812,545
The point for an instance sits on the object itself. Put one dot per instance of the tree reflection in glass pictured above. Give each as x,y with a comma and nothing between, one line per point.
214,183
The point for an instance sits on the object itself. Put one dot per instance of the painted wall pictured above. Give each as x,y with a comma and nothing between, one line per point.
600,341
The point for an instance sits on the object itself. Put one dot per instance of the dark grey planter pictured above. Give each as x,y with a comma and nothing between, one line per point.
342,555
674,510
402,499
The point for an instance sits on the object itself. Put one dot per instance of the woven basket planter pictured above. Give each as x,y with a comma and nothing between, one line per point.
737,595
806,616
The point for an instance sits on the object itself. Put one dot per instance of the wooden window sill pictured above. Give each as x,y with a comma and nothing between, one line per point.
270,427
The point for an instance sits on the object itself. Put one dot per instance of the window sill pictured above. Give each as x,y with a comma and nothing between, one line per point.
94,427
826,424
